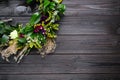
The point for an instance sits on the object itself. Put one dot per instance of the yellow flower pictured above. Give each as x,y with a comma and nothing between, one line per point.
13,34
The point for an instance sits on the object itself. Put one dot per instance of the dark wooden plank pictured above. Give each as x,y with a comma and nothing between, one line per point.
87,44
81,2
78,7
106,8
34,64
7,6
87,2
82,24
62,77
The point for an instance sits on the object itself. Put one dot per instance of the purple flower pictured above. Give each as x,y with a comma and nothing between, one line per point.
43,18
39,28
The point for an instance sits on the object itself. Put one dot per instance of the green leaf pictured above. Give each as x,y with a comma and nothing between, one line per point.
31,44
52,4
38,44
46,3
55,26
61,8
57,18
28,29
4,39
41,38
22,40
2,28
52,7
33,35
1,22
8,28
35,18
29,1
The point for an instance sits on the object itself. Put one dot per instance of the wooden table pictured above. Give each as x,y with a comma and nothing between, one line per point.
87,45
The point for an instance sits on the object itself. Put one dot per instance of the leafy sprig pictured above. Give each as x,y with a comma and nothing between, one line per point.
38,33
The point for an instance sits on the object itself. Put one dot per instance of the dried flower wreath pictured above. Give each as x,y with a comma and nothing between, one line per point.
39,32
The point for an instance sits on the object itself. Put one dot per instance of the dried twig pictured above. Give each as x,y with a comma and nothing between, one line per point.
7,20
49,47
12,49
21,54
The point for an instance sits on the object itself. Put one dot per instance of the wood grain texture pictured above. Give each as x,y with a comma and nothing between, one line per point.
81,24
62,77
34,64
76,7
88,47
87,44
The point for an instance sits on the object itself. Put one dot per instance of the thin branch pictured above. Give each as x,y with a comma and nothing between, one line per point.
7,20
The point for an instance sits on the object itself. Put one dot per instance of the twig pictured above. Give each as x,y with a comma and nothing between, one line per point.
7,20
21,54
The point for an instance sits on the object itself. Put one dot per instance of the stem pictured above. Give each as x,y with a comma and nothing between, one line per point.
1,50
20,58
21,54
41,5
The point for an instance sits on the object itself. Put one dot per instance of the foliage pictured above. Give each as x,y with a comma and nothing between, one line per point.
42,25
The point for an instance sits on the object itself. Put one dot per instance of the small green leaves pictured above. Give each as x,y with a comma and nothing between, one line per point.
52,5
61,8
6,29
51,35
26,29
38,33
35,18
55,26
46,3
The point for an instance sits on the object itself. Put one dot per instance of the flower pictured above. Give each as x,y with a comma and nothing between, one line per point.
43,18
39,28
13,34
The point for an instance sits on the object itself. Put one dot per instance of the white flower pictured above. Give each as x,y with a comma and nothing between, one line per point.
13,34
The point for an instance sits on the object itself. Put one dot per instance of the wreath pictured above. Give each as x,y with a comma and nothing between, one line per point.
40,32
